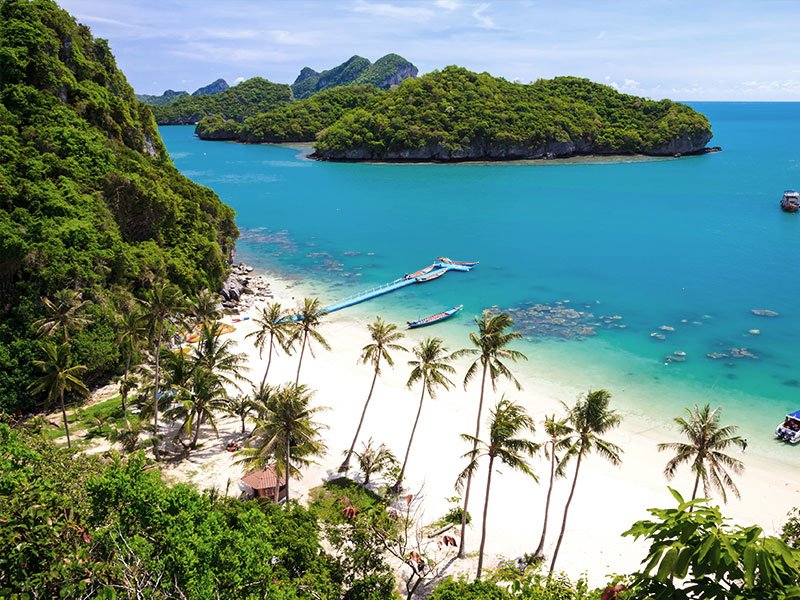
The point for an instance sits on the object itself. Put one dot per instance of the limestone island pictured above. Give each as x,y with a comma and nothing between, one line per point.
458,115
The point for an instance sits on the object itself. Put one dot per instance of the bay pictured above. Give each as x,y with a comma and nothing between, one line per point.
683,249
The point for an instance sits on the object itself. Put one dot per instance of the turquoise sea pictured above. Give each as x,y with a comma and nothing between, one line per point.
683,248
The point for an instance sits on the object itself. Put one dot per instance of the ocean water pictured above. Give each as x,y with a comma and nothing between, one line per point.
598,260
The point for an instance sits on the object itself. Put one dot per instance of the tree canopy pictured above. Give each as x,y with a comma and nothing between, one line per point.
89,198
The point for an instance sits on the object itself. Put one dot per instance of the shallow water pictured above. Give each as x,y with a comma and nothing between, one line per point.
681,248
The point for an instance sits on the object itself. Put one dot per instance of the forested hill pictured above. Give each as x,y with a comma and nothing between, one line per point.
253,96
386,72
89,200
455,114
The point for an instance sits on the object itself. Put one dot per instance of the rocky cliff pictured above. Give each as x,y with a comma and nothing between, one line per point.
386,72
220,85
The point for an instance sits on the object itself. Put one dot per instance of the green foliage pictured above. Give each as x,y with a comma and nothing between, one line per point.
253,96
168,97
298,121
450,589
790,532
73,526
89,199
709,559
387,70
328,500
454,113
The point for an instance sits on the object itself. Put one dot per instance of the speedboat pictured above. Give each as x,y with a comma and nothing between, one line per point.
790,202
789,430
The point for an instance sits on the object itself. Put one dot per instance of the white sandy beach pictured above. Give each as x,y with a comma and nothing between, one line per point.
607,501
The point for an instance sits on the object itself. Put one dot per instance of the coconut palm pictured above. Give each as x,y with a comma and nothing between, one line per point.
217,355
558,441
286,433
162,301
705,451
590,418
384,335
489,343
273,324
62,314
431,366
241,406
205,308
59,375
205,394
305,327
131,332
373,459
508,422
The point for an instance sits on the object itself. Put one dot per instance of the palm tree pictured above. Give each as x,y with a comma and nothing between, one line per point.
205,395
590,418
558,441
489,343
286,433
373,460
59,375
131,331
705,451
63,314
431,367
217,355
308,319
162,301
273,325
204,308
384,335
508,422
241,406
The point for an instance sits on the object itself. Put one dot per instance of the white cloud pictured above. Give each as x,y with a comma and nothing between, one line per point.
385,9
485,20
238,80
447,4
290,38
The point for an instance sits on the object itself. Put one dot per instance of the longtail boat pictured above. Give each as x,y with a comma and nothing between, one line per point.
431,276
419,273
790,202
435,318
463,263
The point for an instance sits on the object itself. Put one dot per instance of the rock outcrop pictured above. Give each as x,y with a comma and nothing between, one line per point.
220,85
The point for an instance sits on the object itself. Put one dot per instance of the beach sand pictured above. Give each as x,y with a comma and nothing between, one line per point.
607,500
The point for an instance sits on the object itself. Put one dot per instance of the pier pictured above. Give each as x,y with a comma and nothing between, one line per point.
437,269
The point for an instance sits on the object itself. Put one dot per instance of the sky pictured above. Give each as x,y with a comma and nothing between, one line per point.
683,50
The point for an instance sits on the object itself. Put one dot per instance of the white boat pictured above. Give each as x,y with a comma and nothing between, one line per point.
789,430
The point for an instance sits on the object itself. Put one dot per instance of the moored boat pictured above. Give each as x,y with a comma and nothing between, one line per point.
431,276
789,430
463,263
790,202
434,318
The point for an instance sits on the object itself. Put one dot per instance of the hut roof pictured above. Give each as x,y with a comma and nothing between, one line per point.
262,479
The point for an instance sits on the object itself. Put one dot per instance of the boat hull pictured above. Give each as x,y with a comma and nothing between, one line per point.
437,318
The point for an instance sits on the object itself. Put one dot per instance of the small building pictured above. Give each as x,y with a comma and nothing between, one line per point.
261,483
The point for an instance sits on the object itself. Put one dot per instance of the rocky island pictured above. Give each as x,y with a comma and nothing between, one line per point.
457,115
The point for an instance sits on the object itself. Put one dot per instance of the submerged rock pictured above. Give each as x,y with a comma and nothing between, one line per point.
763,312
558,320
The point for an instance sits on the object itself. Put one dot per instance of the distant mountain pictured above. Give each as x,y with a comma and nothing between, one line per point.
386,72
220,85
166,98
256,95
169,96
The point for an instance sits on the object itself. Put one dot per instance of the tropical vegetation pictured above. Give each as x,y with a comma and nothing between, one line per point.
456,114
92,209
386,71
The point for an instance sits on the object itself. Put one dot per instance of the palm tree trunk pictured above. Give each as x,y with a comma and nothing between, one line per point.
540,547
243,423
64,414
193,445
300,362
485,512
462,543
694,491
346,463
411,439
156,453
566,510
288,468
125,390
269,361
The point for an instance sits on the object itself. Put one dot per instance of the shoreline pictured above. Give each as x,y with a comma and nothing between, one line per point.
607,500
